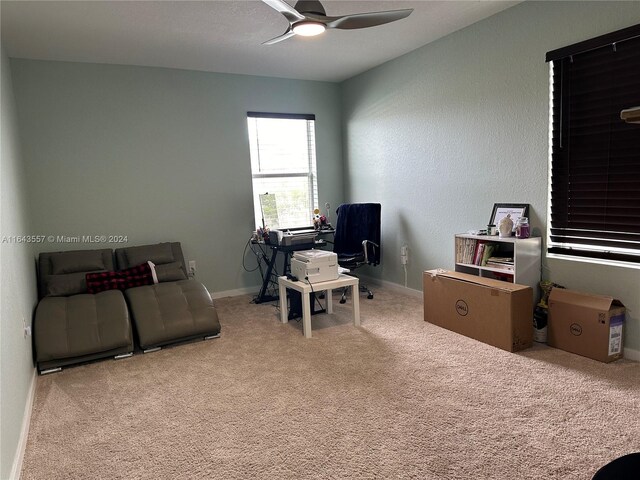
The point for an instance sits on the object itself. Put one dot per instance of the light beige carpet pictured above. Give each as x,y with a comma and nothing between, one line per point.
395,398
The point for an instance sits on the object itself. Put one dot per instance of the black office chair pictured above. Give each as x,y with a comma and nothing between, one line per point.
626,467
357,238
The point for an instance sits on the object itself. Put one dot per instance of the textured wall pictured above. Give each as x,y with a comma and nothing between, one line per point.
442,133
17,280
159,155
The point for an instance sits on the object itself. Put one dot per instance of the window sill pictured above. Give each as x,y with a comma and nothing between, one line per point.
594,261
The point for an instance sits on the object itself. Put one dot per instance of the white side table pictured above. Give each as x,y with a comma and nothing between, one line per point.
305,289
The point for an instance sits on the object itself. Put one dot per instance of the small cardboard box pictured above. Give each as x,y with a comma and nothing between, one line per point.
586,324
494,312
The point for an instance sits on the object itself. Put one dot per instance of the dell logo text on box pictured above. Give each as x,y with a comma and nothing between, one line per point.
462,308
575,329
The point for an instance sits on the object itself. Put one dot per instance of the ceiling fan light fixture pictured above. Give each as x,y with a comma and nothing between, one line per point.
308,29
308,18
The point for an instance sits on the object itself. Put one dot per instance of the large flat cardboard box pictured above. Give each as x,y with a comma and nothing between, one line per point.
586,324
494,312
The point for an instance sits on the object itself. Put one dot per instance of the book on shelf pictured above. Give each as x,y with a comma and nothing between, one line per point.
502,263
466,250
506,268
471,245
489,249
505,260
477,259
505,277
470,251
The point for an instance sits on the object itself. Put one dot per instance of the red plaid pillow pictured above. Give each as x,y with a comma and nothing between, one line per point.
136,276
131,277
101,281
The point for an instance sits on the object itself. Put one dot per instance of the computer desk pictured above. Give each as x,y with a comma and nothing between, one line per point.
269,278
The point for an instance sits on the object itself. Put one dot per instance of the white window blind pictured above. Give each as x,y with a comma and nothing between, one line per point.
283,164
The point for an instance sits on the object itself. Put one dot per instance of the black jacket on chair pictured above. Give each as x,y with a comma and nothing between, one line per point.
357,223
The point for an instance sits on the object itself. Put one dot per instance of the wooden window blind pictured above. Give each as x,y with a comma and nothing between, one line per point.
595,156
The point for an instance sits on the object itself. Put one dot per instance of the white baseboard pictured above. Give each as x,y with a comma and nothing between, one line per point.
365,279
236,292
16,469
391,286
631,354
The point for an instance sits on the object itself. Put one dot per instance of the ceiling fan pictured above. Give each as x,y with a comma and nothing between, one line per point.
309,18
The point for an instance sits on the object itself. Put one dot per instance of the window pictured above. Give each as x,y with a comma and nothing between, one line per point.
283,164
594,155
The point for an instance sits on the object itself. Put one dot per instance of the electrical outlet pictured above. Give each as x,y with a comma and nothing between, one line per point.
192,267
404,255
26,328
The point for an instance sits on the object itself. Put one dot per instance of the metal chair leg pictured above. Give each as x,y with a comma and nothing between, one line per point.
50,370
364,288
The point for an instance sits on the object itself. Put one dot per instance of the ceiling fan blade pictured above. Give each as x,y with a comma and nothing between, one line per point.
364,20
284,36
285,9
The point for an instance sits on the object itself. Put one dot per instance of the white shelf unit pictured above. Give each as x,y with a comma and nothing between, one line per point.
526,253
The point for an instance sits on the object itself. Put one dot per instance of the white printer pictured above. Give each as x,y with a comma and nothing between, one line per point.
316,265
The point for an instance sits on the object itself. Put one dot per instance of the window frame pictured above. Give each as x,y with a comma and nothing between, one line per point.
311,170
602,247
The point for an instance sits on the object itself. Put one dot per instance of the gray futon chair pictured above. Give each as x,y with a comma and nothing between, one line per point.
70,325
175,309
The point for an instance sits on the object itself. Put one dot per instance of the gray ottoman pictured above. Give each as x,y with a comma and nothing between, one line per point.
80,328
172,312
70,325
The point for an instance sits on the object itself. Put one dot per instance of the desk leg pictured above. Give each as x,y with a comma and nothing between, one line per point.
328,294
284,314
306,315
355,293
286,264
262,295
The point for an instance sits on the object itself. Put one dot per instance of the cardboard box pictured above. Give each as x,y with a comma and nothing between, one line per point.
586,324
494,312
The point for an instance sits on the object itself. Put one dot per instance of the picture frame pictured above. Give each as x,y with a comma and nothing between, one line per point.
501,210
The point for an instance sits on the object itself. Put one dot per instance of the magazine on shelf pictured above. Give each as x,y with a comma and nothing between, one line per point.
507,260
500,262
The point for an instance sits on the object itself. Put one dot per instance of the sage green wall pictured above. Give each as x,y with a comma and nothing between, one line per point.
158,155
17,280
441,134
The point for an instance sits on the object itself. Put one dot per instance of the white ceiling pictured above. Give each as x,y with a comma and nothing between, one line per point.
225,36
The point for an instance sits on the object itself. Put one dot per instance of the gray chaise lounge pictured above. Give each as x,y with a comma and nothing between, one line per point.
175,309
71,326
